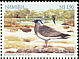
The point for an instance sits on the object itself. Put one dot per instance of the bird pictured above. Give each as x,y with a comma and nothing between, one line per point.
53,16
46,33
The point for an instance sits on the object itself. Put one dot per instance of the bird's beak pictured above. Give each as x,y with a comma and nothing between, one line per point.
33,21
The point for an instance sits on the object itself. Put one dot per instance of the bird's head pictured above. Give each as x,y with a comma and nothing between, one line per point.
38,20
54,18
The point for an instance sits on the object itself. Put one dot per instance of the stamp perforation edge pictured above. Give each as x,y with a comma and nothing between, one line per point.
77,29
1,35
41,1
0,29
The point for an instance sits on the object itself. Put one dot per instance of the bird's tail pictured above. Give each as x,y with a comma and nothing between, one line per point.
64,35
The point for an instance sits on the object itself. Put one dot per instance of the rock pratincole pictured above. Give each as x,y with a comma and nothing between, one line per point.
46,33
53,16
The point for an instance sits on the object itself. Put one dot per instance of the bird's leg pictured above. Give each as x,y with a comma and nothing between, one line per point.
46,43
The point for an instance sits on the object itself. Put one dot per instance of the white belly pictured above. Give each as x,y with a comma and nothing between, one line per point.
46,38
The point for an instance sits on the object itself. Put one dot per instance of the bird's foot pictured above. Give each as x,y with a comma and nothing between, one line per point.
44,46
47,46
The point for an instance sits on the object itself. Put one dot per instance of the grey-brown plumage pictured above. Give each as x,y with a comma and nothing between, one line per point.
44,32
49,32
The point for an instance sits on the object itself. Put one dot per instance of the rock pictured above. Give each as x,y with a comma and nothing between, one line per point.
69,23
10,52
71,51
37,49
25,29
65,51
49,50
64,24
66,27
13,29
61,50
70,31
23,50
26,50
29,26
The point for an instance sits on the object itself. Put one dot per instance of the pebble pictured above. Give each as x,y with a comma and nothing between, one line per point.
42,50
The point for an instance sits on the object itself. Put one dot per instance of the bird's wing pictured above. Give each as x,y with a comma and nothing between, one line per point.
48,32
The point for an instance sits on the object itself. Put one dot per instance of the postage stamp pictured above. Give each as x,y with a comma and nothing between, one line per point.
38,29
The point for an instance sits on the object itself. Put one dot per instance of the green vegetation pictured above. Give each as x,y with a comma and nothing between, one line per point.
60,13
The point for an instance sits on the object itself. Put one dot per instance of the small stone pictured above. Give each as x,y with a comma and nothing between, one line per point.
37,49
23,50
10,52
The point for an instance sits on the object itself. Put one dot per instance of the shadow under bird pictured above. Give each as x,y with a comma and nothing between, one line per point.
46,33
